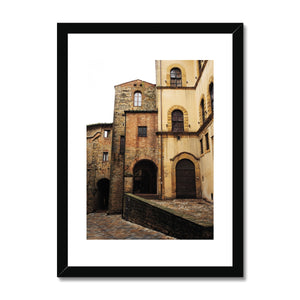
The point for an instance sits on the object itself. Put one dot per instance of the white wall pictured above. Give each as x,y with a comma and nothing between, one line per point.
28,149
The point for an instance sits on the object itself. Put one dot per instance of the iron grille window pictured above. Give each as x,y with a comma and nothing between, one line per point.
177,121
176,77
105,156
122,144
137,99
142,131
207,142
211,93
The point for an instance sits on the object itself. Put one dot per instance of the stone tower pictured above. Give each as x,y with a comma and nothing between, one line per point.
134,96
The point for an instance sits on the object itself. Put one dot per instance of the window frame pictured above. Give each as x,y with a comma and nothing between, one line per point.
202,110
201,146
142,131
211,95
177,121
207,141
137,99
106,133
105,156
176,81
122,144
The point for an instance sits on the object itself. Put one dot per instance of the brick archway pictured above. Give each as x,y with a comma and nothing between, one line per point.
145,177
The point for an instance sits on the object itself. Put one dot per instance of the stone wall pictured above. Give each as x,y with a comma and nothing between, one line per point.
124,101
97,169
167,221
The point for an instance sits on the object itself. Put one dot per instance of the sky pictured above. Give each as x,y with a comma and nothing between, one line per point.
103,76
94,70
98,62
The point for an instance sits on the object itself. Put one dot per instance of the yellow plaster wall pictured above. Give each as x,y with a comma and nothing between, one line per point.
188,70
172,98
207,163
202,90
188,146
174,150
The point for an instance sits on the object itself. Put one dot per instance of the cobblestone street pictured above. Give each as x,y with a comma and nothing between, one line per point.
103,226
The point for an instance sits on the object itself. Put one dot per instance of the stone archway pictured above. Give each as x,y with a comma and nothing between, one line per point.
145,177
195,160
185,179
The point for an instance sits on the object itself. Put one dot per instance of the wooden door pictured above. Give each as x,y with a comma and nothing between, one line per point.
185,179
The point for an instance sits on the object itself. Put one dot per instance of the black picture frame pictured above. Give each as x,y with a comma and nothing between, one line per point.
63,269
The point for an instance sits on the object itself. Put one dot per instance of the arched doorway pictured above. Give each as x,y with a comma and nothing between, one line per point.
102,194
144,177
185,179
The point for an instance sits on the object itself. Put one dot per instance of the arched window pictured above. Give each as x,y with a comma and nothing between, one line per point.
176,77
177,121
137,99
211,94
202,111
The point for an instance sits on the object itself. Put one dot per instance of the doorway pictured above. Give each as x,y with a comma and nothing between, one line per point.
144,177
102,194
185,179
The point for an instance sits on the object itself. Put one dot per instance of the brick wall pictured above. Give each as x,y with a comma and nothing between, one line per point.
138,148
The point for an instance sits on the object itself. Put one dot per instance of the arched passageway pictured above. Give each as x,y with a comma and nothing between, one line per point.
102,194
144,177
185,179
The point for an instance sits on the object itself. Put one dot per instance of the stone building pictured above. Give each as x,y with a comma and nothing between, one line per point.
161,140
99,137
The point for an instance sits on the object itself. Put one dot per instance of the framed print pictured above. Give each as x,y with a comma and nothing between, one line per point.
150,166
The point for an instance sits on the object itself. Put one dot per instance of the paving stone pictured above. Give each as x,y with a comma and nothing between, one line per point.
103,226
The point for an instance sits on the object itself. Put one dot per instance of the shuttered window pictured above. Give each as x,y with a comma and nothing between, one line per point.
142,131
177,121
175,75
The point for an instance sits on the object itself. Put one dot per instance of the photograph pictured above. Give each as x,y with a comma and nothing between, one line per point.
146,155
150,171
